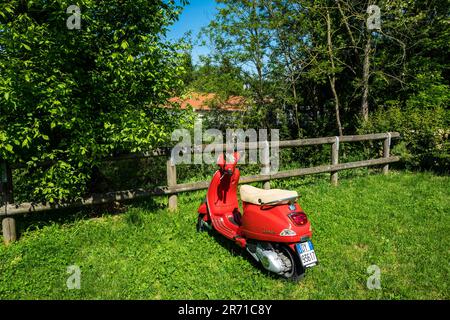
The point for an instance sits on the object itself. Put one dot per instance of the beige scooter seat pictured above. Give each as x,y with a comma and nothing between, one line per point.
258,196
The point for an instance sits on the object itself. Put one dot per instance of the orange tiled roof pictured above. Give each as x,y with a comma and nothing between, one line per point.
202,101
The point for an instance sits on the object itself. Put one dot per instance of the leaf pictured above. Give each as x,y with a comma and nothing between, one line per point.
9,148
26,46
124,45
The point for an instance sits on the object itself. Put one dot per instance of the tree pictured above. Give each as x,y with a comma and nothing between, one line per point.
320,67
332,76
70,97
288,55
411,89
305,48
239,34
219,77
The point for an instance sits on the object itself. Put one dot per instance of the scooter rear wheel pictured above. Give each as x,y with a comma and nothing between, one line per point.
296,272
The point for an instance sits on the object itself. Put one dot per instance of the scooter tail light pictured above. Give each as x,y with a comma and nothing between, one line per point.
299,218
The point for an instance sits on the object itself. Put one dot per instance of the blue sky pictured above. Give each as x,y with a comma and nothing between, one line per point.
195,15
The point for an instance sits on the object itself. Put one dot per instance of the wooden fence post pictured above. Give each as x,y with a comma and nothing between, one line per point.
387,152
265,158
8,223
171,182
9,230
334,161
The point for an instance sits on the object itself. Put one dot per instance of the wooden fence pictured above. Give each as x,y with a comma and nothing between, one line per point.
9,208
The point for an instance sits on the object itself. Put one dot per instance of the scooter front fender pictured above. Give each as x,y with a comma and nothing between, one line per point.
203,209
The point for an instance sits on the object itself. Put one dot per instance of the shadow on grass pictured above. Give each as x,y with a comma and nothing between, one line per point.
236,250
67,216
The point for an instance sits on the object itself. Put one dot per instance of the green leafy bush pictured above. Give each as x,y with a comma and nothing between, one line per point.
423,121
68,98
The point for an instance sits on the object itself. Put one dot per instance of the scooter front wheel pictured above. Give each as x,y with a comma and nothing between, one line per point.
202,226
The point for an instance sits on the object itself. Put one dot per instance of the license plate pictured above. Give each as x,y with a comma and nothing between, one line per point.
307,254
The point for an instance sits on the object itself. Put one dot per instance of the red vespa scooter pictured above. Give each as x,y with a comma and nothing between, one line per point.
273,228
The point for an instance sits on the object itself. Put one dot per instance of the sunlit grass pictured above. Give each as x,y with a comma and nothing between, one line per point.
399,222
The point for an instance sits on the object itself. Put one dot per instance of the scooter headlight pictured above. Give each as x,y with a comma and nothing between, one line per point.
288,233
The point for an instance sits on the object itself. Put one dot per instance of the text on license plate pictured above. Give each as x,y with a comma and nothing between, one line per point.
307,254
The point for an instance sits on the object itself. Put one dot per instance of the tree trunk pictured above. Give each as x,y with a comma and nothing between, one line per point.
349,31
332,77
336,104
297,122
366,77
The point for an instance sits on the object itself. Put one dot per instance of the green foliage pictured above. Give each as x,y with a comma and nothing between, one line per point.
424,124
72,97
222,79
398,222
286,52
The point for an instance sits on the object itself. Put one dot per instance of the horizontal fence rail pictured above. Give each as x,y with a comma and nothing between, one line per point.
173,188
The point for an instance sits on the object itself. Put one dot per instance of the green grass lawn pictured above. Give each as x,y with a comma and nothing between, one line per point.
400,222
